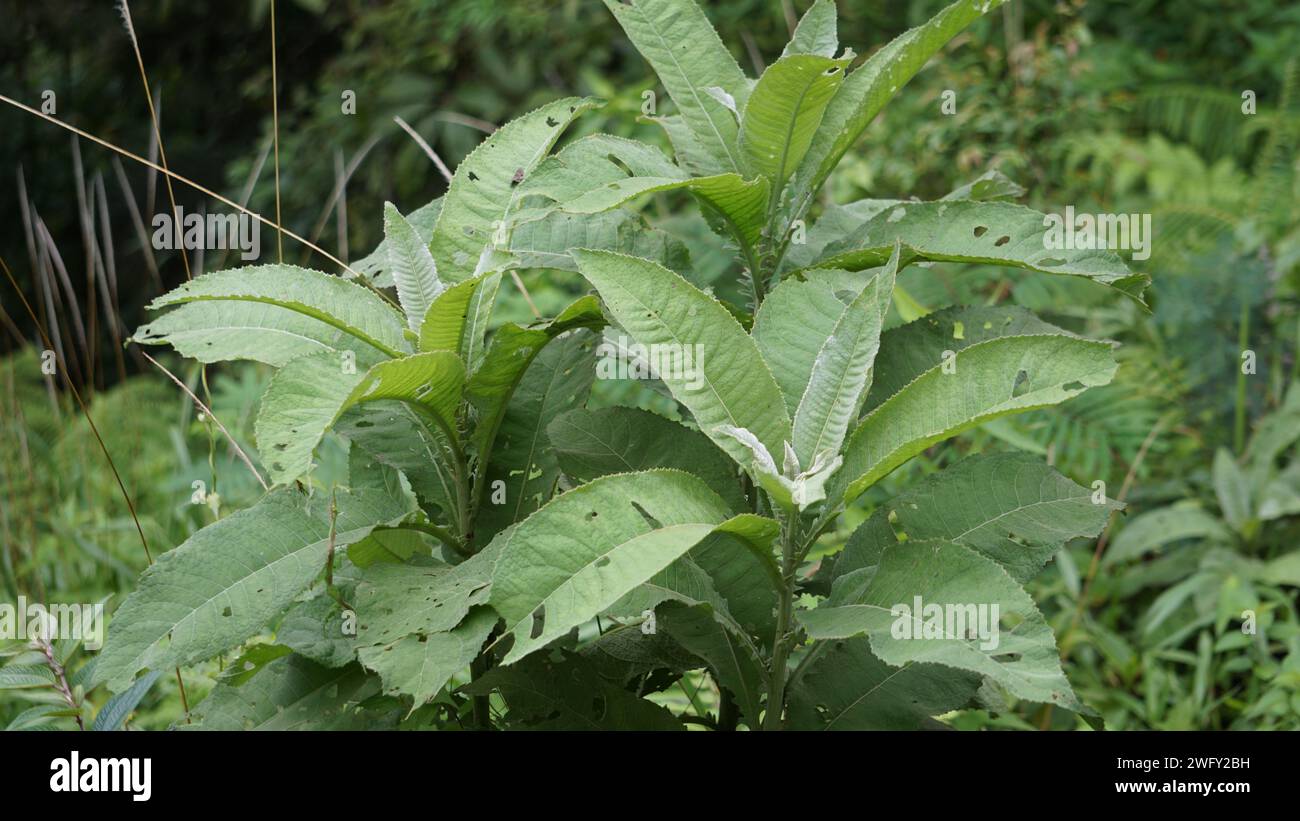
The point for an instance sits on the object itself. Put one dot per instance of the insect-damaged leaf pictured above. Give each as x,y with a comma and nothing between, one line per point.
226,581
587,548
485,188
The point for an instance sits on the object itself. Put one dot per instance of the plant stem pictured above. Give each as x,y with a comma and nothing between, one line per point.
61,680
482,704
784,632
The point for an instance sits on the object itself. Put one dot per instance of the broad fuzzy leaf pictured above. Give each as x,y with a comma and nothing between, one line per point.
676,39
816,32
315,629
841,371
797,319
484,189
596,443
302,312
229,579
394,434
592,176
732,664
398,600
992,233
731,386
992,379
413,270
685,582
443,327
473,346
374,266
1022,658
307,396
784,111
507,360
545,243
587,548
992,185
866,91
1011,507
910,350
523,458
419,665
290,693
569,694
847,687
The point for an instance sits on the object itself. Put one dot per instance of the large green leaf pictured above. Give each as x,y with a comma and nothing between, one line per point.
569,694
545,243
957,625
290,693
302,311
682,581
484,189
229,330
784,111
866,91
473,346
676,39
395,434
910,350
596,443
443,328
229,579
523,459
600,172
730,660
795,321
317,628
846,687
835,223
374,266
507,360
992,233
1010,507
586,549
840,373
307,396
816,32
419,665
731,384
422,598
992,379
412,267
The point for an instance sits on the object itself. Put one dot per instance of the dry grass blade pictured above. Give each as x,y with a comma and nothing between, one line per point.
428,149
185,180
208,411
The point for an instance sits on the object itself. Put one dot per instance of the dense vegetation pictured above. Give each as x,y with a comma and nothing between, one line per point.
427,505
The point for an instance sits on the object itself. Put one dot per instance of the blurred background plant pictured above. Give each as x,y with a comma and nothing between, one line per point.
1106,105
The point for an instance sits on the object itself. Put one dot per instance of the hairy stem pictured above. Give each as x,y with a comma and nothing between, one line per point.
784,628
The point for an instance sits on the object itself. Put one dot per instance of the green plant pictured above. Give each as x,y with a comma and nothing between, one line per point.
580,561
1216,598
